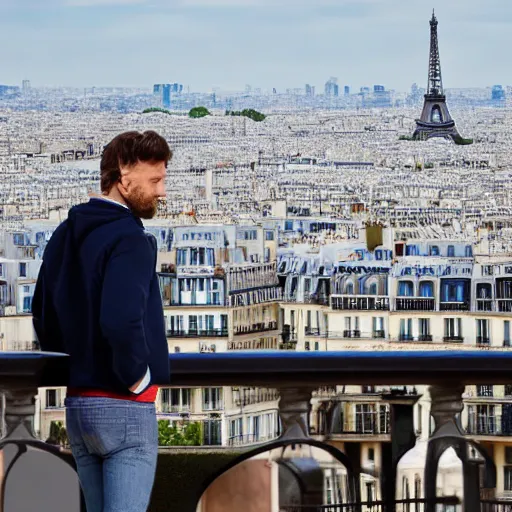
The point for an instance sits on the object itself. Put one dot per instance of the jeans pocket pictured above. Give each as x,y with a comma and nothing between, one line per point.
103,436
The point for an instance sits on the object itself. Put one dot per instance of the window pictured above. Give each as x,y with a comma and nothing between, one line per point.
506,333
179,399
177,350
427,289
1,269
482,332
423,328
350,289
378,254
406,329
453,290
269,235
27,304
373,289
18,239
451,251
484,390
378,326
453,328
212,399
434,250
371,454
288,225
181,257
192,324
51,398
468,251
405,289
370,495
23,270
307,286
317,345
419,419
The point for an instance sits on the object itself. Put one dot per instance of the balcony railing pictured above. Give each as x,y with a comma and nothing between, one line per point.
483,340
485,305
258,327
422,338
360,302
504,305
297,375
453,339
369,423
454,306
488,426
415,304
200,333
248,439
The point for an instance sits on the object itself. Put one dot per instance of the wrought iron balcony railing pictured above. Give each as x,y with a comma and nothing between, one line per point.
454,306
415,304
258,327
504,305
297,375
360,302
485,305
197,333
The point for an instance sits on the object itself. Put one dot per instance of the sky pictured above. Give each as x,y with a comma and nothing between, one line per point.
265,43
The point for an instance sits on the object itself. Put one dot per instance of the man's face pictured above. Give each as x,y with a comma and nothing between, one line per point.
143,186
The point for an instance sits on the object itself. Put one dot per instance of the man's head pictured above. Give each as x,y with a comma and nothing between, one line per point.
133,169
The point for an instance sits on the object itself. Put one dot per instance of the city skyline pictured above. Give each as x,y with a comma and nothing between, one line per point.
82,37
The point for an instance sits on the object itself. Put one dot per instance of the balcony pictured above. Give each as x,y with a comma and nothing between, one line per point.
319,300
487,426
454,306
504,305
453,339
415,304
297,376
360,302
351,334
485,305
258,327
422,338
204,333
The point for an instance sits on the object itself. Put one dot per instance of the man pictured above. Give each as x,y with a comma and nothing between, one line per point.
98,299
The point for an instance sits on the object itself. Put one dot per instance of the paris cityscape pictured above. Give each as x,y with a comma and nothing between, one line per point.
321,218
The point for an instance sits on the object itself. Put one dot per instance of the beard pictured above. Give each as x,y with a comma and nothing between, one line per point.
140,205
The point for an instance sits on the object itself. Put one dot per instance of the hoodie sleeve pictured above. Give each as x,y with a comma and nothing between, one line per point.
44,316
126,284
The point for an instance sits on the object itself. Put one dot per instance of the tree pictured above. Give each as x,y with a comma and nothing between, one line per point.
247,112
156,109
186,434
197,112
58,434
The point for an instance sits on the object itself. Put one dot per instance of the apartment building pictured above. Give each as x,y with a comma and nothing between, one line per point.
417,294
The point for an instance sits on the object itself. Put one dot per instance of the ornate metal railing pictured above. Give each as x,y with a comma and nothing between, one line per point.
297,375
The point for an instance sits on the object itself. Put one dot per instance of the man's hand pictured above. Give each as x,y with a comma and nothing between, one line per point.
141,384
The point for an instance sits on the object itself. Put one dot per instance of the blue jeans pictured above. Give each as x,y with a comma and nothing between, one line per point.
115,446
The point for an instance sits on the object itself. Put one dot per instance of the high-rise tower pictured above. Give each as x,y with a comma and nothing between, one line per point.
435,120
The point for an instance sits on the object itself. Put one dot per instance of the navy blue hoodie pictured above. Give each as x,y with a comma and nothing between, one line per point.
98,299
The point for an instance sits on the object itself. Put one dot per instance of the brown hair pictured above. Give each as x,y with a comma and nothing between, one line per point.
127,149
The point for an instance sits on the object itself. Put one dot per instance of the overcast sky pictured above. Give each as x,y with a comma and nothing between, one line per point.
265,43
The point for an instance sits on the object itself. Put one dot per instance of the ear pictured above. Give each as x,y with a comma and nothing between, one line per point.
124,183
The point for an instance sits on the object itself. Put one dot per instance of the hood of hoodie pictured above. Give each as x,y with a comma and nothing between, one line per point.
84,218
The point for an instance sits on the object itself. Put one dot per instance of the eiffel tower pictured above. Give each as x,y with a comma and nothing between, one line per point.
435,120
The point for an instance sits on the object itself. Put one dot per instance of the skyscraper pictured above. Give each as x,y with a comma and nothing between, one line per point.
162,93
